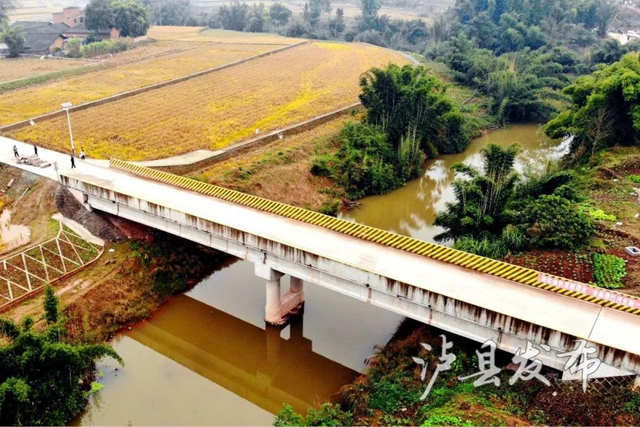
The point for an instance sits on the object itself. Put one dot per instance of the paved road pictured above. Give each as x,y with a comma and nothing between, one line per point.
63,160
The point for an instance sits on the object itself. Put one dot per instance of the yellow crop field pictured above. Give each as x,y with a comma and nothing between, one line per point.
197,34
33,101
218,109
18,68
172,33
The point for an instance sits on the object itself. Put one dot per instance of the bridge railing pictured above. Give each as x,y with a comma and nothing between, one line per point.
523,275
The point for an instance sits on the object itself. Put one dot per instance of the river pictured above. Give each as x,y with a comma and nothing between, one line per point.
411,210
205,357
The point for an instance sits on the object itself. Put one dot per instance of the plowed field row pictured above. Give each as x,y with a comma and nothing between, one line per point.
195,34
18,68
218,109
30,102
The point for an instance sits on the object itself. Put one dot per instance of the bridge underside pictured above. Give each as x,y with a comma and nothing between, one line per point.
446,313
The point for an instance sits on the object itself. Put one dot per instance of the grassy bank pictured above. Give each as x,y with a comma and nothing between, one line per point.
390,390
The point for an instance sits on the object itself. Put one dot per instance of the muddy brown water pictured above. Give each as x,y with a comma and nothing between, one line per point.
206,358
11,235
411,209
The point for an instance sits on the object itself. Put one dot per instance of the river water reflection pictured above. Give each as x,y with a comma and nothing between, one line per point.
411,209
205,358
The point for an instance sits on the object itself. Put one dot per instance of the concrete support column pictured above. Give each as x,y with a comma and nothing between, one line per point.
296,285
273,295
279,309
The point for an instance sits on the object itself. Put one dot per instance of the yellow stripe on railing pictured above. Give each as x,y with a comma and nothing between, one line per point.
526,276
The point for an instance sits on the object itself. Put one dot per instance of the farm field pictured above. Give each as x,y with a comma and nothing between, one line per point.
280,170
221,108
351,10
18,68
198,34
33,101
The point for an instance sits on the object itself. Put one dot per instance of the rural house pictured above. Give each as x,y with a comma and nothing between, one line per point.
72,16
41,37
81,32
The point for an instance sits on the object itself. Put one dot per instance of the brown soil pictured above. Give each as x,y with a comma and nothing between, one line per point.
280,170
31,201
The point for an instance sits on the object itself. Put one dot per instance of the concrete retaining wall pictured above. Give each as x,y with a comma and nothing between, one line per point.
260,141
86,105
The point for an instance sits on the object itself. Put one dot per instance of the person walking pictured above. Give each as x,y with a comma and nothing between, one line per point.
82,155
35,149
15,151
73,162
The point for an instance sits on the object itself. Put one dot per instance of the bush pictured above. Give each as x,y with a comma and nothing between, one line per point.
331,207
322,166
106,47
326,415
552,222
494,248
365,164
608,270
634,178
386,395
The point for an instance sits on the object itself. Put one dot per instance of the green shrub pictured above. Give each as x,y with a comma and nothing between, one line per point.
599,215
323,165
445,420
494,248
634,178
552,222
608,270
326,415
386,395
332,207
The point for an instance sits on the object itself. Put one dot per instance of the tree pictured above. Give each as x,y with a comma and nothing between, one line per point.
315,9
279,14
553,222
99,15
337,25
234,16
480,210
407,103
605,108
256,19
42,374
5,7
50,305
169,12
14,40
130,17
370,10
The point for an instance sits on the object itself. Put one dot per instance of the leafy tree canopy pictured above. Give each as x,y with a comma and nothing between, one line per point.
42,373
128,16
497,210
605,108
407,103
14,40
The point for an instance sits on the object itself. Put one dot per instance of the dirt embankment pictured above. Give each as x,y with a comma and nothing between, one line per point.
139,270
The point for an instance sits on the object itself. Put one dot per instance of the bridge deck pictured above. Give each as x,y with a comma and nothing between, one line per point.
556,311
595,320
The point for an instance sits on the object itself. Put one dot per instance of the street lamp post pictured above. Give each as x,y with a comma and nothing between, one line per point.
66,106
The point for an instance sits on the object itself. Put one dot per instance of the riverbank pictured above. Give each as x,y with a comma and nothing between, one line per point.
129,281
390,392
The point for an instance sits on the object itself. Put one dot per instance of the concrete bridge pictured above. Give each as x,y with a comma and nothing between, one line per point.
465,294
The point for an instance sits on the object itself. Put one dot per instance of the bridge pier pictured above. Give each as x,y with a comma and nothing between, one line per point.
279,308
